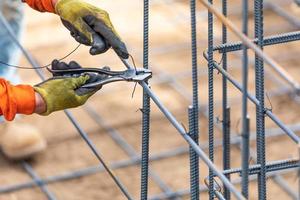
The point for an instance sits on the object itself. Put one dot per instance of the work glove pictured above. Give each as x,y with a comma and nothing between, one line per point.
61,92
91,26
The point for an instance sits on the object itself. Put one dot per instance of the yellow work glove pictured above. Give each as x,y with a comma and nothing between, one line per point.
61,93
91,26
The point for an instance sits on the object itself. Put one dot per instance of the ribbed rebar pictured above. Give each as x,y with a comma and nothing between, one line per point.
193,111
225,108
245,118
260,94
145,110
270,167
270,40
210,99
194,159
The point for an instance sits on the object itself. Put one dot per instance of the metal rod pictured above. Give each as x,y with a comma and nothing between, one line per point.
225,108
145,110
194,159
270,40
245,117
210,99
193,111
260,95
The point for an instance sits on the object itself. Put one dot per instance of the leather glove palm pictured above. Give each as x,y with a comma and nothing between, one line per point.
91,26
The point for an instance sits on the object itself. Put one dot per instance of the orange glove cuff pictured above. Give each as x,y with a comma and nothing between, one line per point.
16,99
25,98
41,5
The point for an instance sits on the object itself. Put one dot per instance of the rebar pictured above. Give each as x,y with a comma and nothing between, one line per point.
145,111
210,100
193,111
264,169
194,160
245,117
225,108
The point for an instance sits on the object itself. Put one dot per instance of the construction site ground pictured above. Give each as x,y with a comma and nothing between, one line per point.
170,59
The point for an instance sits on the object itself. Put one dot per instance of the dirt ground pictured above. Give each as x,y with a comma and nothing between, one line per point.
170,57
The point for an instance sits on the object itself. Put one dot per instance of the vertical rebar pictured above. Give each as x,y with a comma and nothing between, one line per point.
225,108
194,159
245,118
245,157
260,93
146,110
193,111
210,100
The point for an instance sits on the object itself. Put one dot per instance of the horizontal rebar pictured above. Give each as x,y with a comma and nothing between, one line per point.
270,167
270,40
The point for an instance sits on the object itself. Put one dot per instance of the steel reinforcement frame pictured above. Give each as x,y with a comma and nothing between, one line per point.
262,169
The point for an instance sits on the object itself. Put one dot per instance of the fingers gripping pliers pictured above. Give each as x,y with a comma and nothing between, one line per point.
129,75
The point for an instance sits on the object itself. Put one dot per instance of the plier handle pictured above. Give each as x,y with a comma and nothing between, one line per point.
129,75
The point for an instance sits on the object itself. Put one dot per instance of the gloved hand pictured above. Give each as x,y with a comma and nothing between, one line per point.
61,93
90,25
56,65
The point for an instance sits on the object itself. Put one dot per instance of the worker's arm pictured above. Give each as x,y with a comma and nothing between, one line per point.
52,95
88,24
19,99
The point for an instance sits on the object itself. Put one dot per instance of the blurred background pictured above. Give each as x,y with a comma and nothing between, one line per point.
170,60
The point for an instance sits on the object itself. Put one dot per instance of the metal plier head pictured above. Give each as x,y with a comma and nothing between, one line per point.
130,75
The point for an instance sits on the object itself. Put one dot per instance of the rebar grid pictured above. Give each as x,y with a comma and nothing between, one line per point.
228,184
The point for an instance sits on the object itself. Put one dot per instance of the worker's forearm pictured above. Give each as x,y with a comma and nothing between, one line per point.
16,99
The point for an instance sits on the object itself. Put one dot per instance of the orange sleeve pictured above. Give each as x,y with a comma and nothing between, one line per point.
41,5
16,99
